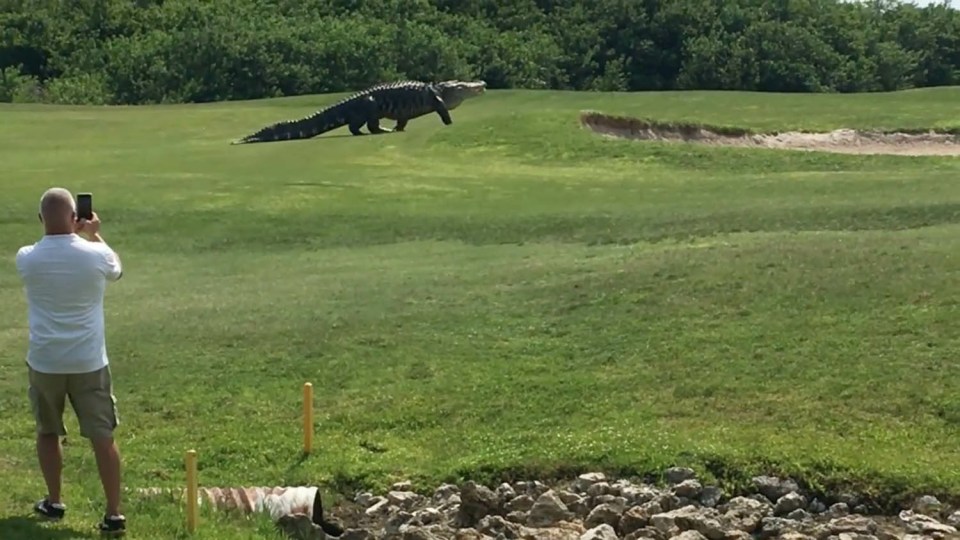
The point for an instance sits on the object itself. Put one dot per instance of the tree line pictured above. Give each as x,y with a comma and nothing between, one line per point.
164,51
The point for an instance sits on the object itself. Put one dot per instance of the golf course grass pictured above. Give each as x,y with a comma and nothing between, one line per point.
510,294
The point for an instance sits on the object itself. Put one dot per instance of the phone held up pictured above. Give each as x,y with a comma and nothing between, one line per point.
85,205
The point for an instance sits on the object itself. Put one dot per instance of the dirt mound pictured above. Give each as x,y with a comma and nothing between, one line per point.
844,141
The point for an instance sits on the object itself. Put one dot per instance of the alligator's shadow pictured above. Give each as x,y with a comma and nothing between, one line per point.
345,135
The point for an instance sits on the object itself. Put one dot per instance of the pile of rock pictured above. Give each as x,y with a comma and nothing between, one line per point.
593,507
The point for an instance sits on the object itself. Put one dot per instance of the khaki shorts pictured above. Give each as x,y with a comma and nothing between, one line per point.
91,396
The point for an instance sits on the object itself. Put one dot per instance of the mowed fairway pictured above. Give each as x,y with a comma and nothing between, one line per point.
510,292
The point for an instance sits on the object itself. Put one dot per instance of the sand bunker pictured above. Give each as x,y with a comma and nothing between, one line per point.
844,141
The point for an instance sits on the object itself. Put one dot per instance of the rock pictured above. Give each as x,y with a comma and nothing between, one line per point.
496,526
428,516
547,510
517,516
666,522
688,489
675,475
405,485
853,524
505,492
816,506
839,509
928,505
418,533
379,507
688,535
924,524
396,521
444,492
403,499
772,487
788,503
533,489
637,517
604,514
795,536
585,480
705,522
669,501
600,488
469,534
745,514
356,534
646,533
954,519
773,527
600,532
475,502
521,503
711,496
603,499
798,515
848,499
600,508
580,507
640,495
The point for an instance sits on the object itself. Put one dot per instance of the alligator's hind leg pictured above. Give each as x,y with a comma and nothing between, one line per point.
366,112
374,126
355,124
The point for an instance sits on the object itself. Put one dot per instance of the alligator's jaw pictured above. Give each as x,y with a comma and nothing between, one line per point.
456,92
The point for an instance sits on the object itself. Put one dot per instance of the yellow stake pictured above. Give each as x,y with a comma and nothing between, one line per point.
307,418
192,490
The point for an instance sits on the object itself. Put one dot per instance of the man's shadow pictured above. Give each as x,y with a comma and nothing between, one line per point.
29,528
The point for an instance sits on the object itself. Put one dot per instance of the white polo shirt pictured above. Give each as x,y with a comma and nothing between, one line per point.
64,278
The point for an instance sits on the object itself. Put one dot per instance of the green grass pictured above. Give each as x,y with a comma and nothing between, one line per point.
507,295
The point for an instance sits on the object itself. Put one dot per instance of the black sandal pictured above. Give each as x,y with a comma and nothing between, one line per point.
51,511
113,525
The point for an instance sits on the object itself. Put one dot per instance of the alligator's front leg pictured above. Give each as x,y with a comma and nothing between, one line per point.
441,108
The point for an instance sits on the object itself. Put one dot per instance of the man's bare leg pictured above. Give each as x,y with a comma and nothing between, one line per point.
50,455
108,463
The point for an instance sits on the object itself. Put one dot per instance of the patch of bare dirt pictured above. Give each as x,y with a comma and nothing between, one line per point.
843,141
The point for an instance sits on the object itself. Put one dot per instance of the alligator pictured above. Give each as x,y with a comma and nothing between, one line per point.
401,101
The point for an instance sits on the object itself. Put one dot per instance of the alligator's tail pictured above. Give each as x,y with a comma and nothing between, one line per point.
319,122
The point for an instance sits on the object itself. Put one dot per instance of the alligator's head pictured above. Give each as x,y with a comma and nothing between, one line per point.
456,92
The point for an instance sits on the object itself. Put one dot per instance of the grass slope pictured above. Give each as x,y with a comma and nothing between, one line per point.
509,293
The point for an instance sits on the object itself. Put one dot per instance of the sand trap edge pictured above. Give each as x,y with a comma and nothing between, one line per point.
844,141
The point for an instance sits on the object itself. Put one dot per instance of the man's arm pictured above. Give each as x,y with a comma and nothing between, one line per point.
21,253
110,262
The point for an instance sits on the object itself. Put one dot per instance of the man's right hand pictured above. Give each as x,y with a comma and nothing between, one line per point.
89,227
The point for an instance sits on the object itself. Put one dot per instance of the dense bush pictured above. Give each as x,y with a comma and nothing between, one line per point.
150,51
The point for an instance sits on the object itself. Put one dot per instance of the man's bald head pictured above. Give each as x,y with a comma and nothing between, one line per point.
58,211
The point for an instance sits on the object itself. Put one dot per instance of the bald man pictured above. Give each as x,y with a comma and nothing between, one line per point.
65,276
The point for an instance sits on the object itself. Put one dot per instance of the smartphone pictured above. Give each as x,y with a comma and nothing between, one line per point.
85,205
